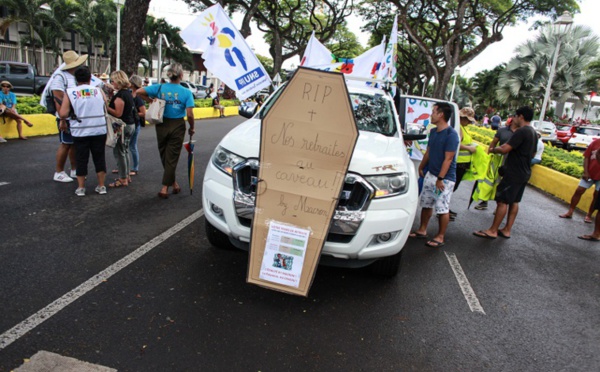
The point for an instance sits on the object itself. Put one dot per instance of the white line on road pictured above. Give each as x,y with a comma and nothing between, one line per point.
464,284
4,183
44,314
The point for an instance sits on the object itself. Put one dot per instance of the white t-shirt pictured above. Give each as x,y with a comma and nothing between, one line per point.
540,150
58,83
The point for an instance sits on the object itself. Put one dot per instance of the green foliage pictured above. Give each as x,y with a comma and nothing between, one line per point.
566,162
30,105
267,63
207,102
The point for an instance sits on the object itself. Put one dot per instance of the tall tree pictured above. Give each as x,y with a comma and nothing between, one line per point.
32,14
450,34
485,84
526,75
132,34
177,50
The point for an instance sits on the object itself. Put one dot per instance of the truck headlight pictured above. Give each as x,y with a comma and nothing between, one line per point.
225,160
389,184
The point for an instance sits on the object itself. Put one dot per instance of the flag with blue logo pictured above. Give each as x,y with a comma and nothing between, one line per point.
225,52
388,71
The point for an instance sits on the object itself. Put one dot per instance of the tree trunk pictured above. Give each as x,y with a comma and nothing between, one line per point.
132,34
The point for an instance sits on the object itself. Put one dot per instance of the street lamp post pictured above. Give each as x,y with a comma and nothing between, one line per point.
456,72
563,24
119,4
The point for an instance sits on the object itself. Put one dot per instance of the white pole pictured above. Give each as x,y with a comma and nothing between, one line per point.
159,59
118,64
456,71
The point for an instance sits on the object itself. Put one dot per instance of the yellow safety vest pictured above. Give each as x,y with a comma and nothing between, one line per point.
486,187
464,156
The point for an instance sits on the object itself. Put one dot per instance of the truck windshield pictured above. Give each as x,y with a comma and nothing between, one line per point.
373,113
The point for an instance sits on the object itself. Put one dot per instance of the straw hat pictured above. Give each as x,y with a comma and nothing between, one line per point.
467,112
72,59
6,83
104,76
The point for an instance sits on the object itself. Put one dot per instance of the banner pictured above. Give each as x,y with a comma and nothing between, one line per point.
316,54
387,70
225,52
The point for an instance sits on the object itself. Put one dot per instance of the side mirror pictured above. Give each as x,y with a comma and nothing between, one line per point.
414,137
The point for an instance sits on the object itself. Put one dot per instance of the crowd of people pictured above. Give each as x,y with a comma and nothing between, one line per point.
515,148
81,112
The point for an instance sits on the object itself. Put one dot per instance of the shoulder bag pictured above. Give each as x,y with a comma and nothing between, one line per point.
114,128
154,114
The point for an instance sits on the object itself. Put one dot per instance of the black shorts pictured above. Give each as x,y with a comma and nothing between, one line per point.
510,192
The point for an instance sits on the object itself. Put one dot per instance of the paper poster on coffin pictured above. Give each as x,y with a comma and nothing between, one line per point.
307,140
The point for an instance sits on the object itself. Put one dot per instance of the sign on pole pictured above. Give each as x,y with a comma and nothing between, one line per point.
307,140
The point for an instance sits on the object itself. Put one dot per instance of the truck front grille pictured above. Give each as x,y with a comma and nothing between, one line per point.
352,205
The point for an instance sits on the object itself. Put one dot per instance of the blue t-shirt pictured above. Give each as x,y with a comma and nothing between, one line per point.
177,98
9,100
439,143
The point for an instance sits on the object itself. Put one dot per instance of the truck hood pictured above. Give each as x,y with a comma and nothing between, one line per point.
374,153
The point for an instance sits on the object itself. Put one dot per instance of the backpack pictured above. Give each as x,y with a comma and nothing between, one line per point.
49,99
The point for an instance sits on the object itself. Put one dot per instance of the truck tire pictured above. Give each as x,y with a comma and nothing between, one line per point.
387,267
216,237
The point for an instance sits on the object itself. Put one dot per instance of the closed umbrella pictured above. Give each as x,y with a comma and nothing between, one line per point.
189,146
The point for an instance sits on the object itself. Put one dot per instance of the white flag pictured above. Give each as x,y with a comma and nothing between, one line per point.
316,53
364,66
225,52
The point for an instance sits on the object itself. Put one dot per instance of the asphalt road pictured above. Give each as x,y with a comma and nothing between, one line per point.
185,306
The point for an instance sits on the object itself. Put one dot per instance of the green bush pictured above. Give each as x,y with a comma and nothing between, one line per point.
30,105
567,162
207,102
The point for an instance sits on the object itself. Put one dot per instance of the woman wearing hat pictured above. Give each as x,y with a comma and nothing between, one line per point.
8,103
170,134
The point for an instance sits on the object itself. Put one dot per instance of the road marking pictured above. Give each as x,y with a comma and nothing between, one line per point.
46,313
4,183
464,284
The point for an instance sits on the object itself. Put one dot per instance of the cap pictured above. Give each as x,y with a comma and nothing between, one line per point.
467,112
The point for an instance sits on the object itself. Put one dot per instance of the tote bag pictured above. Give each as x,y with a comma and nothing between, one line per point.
154,114
114,128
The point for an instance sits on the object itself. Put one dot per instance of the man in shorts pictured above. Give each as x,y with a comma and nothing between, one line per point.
516,171
216,102
590,177
439,181
59,84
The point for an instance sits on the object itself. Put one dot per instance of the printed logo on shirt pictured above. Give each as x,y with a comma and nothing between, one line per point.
84,93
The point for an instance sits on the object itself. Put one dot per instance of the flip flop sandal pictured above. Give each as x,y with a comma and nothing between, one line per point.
416,235
117,183
589,238
481,234
564,216
115,171
435,244
588,219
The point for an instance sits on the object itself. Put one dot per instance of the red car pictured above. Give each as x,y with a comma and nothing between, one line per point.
564,133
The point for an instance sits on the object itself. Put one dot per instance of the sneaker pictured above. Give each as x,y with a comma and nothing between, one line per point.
80,191
62,177
481,206
2,140
73,173
101,190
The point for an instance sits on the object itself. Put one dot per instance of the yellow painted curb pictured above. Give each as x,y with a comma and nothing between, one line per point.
559,185
43,125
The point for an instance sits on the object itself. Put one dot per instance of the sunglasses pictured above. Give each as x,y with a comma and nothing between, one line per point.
5,86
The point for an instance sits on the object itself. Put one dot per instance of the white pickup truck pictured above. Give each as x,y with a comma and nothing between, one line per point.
377,205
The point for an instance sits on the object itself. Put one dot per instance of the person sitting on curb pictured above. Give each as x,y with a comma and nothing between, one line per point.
537,159
217,104
8,103
590,177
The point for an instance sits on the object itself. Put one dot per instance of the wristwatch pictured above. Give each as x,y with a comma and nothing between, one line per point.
440,178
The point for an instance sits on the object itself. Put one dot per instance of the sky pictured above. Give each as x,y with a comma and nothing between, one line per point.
176,13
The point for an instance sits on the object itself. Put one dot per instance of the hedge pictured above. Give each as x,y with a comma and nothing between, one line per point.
567,162
30,105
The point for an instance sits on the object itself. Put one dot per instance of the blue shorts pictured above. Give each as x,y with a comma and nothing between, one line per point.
64,137
587,184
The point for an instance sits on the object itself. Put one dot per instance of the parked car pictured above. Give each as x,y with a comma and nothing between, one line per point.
547,130
192,88
201,89
582,137
564,133
376,208
23,77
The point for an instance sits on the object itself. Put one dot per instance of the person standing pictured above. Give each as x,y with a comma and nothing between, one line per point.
486,187
170,134
496,121
589,178
8,102
140,121
439,181
466,149
121,106
515,173
59,84
89,128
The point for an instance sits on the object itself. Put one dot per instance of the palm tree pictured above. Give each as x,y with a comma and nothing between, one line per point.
63,12
33,15
526,75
